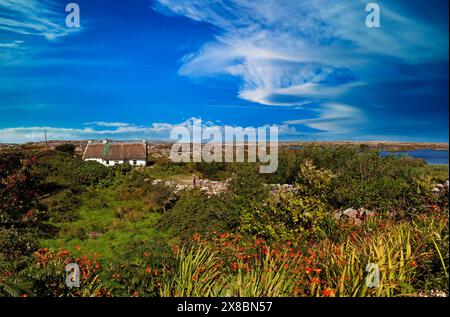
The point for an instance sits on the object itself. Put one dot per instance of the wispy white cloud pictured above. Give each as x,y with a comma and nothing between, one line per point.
13,44
334,119
108,124
156,131
34,17
294,53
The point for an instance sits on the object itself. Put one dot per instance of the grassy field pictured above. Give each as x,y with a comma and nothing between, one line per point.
132,236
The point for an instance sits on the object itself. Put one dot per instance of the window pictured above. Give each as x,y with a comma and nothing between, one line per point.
134,162
116,162
107,162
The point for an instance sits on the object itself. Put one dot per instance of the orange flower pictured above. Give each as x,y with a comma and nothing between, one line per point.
413,263
308,270
317,271
77,247
148,270
146,254
315,280
327,292
196,237
234,266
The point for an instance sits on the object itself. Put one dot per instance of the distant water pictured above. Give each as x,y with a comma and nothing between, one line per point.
430,156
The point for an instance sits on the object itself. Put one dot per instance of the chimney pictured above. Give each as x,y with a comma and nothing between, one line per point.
105,141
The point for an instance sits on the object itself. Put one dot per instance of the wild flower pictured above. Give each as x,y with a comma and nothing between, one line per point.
327,292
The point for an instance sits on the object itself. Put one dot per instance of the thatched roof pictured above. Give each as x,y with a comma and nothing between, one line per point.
116,151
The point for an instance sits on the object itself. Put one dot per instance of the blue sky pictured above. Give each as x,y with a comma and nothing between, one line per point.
137,69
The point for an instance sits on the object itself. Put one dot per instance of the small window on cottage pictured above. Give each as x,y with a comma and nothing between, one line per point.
107,162
134,162
116,162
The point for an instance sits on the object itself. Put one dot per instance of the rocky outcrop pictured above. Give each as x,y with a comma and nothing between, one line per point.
357,216
208,186
441,189
277,189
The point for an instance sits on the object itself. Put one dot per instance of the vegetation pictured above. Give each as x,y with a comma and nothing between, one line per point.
134,236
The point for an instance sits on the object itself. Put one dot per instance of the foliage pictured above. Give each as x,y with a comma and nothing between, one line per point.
196,212
300,210
134,236
66,148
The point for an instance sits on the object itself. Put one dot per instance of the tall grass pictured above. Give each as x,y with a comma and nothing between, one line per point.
395,248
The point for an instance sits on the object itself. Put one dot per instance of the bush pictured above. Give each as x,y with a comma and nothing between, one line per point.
292,212
194,212
66,148
15,243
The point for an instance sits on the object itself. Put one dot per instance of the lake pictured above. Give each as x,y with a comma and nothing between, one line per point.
430,156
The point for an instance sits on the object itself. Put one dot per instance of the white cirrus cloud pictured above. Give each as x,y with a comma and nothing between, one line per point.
294,53
155,131
34,17
334,119
108,124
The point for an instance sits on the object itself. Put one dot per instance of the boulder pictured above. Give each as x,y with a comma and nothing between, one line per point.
365,213
351,213
357,222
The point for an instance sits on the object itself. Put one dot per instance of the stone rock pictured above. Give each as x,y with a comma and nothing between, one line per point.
365,213
357,222
94,234
440,186
337,214
351,213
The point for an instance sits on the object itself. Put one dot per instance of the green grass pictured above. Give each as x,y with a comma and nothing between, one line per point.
117,222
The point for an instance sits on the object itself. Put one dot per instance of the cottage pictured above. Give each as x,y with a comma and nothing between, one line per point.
112,153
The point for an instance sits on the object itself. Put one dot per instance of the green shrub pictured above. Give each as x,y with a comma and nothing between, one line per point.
292,212
66,148
195,212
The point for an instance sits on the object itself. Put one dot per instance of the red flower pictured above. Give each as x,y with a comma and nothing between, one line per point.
327,292
148,270
315,280
196,237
